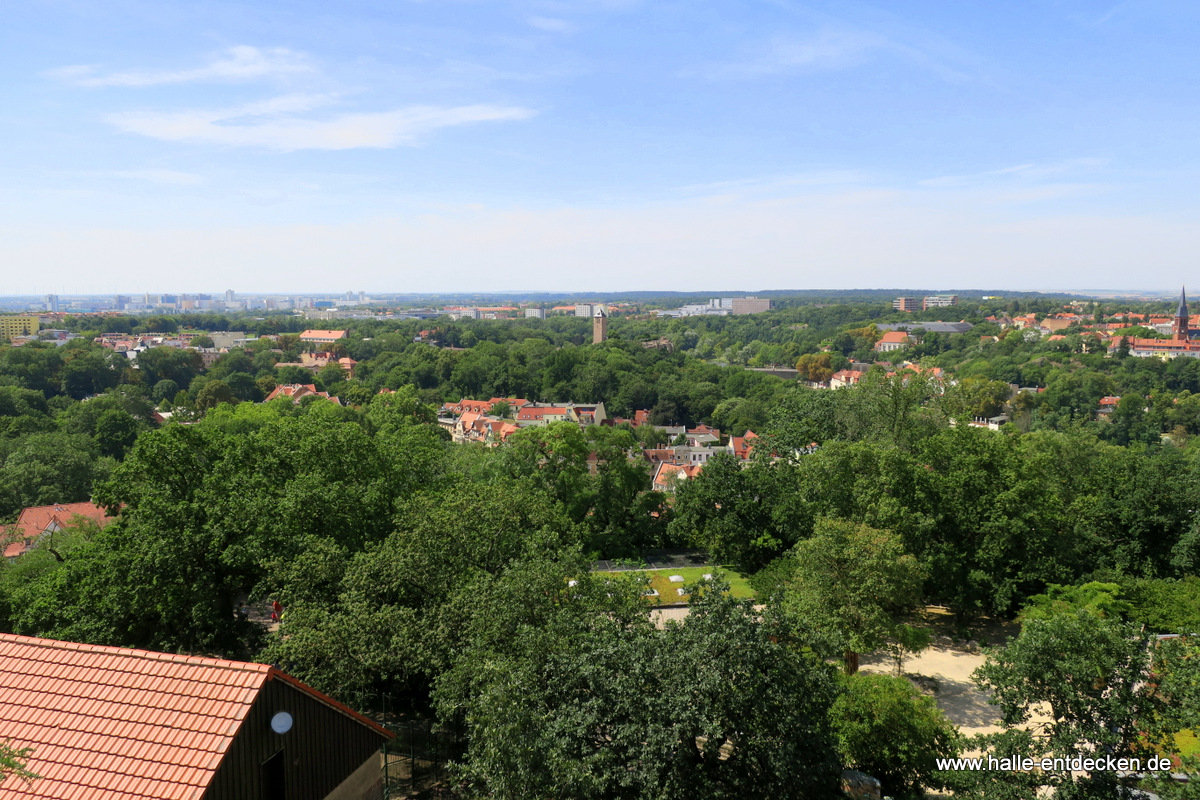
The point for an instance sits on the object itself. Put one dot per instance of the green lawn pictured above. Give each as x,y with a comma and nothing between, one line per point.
660,580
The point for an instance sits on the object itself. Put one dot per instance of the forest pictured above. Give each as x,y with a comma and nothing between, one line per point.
461,577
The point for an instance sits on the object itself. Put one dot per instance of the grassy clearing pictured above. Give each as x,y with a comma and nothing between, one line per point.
660,580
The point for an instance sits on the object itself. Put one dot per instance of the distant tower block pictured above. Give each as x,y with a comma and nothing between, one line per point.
599,325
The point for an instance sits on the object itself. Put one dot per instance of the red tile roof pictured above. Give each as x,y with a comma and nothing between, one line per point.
118,724
36,520
538,413
323,336
894,337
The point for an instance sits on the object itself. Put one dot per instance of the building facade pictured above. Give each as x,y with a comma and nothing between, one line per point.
940,301
750,305
17,325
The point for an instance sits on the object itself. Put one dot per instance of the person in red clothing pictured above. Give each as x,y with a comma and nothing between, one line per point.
276,611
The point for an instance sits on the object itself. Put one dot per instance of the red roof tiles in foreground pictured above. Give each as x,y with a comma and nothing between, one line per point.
120,724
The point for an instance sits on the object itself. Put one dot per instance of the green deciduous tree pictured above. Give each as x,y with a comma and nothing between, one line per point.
854,585
1089,674
890,731
604,705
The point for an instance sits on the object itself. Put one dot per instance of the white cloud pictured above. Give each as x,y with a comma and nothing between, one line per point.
1029,172
242,63
272,125
829,49
552,25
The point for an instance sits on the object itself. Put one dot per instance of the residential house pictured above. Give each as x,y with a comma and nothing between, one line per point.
298,391
742,446
892,340
322,337
667,475
114,722
703,435
37,521
846,377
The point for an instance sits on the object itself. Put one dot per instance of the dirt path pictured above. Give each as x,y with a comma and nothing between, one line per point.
944,669
950,669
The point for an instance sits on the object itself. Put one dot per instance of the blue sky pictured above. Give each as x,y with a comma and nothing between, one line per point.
600,145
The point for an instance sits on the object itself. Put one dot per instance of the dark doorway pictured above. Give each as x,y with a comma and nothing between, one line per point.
273,787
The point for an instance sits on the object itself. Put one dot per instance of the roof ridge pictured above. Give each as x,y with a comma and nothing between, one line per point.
132,652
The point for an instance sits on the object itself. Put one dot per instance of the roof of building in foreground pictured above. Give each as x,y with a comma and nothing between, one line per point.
110,723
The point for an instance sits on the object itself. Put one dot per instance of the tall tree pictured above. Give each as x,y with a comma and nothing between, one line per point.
853,585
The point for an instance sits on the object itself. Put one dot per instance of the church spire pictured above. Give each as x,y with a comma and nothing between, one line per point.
1179,329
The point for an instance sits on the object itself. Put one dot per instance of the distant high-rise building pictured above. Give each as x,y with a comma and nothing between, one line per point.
750,305
907,304
229,296
362,297
121,302
52,302
584,310
599,325
940,301
535,313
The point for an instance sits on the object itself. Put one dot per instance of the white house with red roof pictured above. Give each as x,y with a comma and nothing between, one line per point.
892,340
742,446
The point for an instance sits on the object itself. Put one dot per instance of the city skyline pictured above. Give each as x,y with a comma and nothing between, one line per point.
597,145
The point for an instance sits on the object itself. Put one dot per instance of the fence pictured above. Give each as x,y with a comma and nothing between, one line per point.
415,763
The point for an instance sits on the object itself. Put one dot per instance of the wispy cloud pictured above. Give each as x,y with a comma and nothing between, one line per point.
829,49
169,177
274,124
1027,172
552,24
242,63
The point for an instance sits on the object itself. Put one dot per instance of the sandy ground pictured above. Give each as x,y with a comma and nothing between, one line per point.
943,670
950,667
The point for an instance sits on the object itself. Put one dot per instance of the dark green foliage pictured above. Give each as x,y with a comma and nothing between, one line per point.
603,705
1089,673
887,729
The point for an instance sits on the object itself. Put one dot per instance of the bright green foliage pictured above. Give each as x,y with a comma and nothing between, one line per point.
1101,599
45,468
889,730
613,503
853,585
738,515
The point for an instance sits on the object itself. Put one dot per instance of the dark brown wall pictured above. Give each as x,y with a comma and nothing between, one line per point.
323,747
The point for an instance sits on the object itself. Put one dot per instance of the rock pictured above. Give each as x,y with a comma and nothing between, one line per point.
860,786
